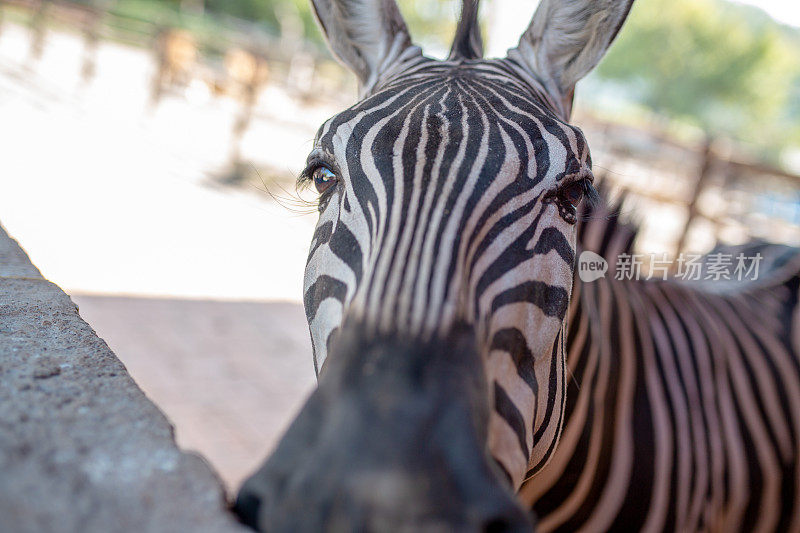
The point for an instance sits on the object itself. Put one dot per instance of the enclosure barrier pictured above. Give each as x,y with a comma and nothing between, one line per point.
81,446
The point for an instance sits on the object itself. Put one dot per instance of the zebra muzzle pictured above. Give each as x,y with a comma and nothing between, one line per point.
393,439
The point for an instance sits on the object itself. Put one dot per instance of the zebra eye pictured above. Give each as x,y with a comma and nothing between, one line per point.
573,193
324,178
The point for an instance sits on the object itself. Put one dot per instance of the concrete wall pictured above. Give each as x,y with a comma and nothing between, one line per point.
81,446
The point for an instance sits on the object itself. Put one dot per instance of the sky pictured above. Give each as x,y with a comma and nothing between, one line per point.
786,11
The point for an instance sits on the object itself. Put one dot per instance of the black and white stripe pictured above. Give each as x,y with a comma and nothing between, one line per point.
683,404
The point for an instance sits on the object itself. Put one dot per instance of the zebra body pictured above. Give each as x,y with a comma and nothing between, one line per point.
683,405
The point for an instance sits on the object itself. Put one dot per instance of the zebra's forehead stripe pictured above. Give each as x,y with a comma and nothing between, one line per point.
434,293
391,232
559,139
499,118
448,265
377,103
402,300
419,268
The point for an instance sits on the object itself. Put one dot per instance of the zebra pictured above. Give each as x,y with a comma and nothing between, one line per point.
439,295
683,403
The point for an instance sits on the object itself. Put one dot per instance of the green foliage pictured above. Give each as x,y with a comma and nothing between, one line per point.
728,69
431,22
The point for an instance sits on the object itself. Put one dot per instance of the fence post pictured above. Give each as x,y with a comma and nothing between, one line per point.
699,184
38,29
250,80
91,33
2,14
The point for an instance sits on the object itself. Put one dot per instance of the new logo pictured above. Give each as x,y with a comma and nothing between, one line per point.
591,266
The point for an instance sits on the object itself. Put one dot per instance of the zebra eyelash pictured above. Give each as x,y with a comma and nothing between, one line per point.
595,204
570,212
592,198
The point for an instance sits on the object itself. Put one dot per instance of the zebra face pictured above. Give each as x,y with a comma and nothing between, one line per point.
439,275
448,198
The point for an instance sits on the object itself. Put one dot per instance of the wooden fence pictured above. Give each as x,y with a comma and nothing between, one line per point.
219,51
687,196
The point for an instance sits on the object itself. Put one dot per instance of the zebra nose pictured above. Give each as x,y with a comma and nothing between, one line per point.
246,508
507,524
506,517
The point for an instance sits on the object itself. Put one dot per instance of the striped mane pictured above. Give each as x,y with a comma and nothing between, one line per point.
605,230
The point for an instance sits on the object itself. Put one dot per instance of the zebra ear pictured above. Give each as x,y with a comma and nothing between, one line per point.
367,36
566,39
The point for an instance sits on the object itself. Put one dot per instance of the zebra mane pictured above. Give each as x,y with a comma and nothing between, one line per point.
602,228
467,43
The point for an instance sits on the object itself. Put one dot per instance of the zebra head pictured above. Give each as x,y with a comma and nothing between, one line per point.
439,275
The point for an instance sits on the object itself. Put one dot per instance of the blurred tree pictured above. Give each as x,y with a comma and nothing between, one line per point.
252,10
432,22
730,69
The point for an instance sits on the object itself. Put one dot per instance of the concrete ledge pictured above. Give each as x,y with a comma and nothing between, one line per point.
14,263
81,447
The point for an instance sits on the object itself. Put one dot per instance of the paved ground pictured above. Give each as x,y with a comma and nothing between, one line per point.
230,375
194,285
